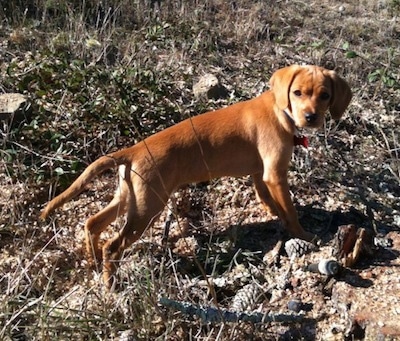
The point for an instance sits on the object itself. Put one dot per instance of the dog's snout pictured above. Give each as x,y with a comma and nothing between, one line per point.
310,117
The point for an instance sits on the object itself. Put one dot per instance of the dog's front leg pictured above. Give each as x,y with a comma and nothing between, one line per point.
264,196
279,190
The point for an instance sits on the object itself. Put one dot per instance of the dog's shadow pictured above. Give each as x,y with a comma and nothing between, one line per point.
248,243
261,237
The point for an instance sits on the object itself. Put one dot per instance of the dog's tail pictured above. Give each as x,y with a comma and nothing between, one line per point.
100,165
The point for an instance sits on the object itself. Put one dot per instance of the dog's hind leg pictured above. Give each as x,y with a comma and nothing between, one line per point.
96,224
144,208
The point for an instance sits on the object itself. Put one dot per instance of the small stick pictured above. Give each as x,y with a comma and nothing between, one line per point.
168,221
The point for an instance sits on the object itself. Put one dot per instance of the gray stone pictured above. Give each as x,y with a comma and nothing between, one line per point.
209,87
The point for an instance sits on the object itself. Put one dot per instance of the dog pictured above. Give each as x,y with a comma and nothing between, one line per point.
254,137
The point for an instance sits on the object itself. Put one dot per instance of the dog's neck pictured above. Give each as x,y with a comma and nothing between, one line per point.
291,120
298,138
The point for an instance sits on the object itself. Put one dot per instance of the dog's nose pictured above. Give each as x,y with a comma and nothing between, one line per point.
310,117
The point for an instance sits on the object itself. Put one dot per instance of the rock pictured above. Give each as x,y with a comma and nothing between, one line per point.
13,107
370,310
295,305
295,282
209,87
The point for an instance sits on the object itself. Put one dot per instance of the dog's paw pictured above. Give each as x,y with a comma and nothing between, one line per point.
310,237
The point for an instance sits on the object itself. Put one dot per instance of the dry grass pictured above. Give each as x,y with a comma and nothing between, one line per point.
100,78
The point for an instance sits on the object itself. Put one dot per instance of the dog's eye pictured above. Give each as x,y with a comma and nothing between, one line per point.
324,96
297,93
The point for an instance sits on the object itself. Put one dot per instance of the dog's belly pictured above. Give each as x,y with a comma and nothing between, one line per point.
219,164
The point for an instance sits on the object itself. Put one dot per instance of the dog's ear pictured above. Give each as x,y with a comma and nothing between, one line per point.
341,96
280,84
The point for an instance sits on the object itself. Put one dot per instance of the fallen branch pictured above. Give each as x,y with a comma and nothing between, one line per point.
214,315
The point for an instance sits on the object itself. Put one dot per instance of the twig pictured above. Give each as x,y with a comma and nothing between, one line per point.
214,315
168,222
40,155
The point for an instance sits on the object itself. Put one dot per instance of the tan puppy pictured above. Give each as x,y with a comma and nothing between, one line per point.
252,137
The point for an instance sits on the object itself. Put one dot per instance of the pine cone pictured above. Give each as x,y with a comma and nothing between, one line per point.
246,297
297,247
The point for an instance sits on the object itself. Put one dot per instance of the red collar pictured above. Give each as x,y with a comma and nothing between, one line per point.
300,140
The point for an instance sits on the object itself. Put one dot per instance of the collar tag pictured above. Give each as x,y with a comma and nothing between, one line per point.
300,140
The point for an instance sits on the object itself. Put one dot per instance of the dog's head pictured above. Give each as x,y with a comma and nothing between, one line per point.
306,93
